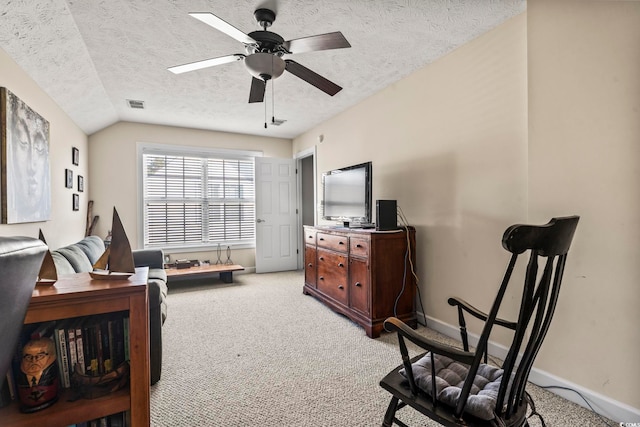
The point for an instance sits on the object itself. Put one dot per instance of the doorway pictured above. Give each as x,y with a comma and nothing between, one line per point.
306,165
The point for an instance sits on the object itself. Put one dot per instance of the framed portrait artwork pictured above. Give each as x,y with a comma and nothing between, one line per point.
25,181
68,178
76,202
80,183
75,156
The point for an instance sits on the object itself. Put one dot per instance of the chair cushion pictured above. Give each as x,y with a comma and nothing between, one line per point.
450,376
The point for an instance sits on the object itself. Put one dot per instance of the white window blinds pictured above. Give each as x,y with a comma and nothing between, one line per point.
197,200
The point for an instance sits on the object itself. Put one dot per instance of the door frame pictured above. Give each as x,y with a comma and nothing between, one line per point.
299,156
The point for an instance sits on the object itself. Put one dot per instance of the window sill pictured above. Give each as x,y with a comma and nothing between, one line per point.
203,248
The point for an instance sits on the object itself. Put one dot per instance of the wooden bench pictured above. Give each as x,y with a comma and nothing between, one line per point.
225,270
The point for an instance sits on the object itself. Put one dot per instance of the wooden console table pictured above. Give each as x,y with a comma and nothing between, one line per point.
225,270
77,295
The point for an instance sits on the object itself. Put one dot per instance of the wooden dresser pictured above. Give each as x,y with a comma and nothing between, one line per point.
362,274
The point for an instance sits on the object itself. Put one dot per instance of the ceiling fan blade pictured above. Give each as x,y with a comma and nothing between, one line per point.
192,66
257,90
220,25
312,78
320,42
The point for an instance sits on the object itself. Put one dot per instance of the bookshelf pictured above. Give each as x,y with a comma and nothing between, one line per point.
78,295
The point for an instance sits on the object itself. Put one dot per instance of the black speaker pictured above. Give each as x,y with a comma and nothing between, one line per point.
386,215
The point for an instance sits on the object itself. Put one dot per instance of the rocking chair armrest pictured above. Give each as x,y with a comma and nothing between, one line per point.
479,314
393,324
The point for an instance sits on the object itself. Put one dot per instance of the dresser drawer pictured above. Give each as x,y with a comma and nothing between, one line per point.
334,242
359,247
310,269
332,275
310,236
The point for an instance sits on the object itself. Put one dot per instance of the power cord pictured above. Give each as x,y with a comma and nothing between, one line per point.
408,259
404,283
604,420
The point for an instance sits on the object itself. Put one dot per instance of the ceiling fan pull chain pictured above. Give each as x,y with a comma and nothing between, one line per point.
273,94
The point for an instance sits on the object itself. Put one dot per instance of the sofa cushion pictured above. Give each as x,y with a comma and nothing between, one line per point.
93,248
63,266
152,258
158,289
76,257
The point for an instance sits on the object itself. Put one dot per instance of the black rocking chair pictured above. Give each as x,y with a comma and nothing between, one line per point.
468,391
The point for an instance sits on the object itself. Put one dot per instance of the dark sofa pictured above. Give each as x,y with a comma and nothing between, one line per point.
80,257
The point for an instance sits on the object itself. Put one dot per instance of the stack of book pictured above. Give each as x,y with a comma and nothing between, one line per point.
116,420
90,346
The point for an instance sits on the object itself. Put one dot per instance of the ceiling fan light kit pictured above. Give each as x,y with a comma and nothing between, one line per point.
264,66
265,51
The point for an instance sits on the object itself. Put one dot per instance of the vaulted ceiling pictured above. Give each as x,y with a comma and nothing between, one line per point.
91,56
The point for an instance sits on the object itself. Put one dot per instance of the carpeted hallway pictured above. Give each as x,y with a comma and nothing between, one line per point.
260,353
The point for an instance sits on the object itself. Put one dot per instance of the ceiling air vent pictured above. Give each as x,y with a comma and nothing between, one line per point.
135,104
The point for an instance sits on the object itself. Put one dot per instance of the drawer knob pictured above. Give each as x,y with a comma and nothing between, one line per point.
358,245
321,258
310,265
322,238
340,287
340,264
321,277
341,242
358,284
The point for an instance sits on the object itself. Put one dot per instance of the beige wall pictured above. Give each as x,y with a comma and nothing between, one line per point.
584,152
65,226
538,118
449,142
114,171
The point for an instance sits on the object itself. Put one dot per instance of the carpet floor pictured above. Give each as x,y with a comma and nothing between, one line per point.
260,353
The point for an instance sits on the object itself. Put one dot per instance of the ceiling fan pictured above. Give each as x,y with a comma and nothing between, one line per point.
265,51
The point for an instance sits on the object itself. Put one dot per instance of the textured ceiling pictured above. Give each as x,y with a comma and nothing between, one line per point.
91,56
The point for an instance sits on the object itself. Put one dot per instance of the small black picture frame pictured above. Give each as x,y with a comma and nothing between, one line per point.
76,202
75,156
68,178
80,183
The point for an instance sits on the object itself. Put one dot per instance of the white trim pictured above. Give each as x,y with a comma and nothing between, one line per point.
604,405
312,151
151,147
208,248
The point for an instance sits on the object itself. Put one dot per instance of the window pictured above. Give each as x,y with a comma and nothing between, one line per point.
196,199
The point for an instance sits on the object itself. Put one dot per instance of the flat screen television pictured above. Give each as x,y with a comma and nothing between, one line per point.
347,195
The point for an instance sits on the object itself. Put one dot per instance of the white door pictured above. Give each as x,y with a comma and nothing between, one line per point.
276,231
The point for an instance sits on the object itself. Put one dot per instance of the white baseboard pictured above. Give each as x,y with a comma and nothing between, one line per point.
603,405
